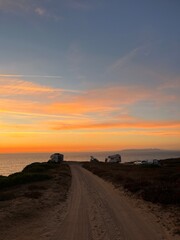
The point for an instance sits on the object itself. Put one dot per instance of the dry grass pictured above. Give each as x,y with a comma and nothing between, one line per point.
152,183
159,185
35,180
34,206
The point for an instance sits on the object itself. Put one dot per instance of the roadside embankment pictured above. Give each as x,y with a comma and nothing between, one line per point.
158,185
33,201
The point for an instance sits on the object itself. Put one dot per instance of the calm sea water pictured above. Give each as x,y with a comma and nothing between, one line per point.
10,163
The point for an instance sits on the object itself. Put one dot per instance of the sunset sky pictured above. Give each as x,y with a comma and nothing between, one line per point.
81,75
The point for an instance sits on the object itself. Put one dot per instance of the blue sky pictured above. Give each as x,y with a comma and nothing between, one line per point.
93,48
83,38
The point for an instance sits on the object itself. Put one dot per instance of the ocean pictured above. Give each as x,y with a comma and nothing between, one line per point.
11,163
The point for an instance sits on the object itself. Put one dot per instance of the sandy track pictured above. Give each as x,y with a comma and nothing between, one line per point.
96,211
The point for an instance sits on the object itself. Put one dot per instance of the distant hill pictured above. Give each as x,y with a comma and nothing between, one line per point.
142,150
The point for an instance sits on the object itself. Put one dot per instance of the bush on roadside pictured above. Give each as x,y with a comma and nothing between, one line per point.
39,167
22,178
154,184
5,196
32,173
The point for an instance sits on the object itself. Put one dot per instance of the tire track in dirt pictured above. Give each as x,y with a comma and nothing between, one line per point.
97,212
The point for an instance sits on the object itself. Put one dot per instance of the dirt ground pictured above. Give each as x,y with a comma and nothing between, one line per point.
36,210
94,210
154,189
166,216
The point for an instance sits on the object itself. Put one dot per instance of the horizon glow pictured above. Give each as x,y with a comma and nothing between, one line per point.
87,76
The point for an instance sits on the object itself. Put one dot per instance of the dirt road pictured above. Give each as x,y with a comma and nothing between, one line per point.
98,212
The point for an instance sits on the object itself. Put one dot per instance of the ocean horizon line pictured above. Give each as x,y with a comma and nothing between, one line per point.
98,151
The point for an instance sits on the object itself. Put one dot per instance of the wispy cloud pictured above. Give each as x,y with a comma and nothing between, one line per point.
102,101
118,125
10,5
10,87
107,99
27,6
124,59
102,109
28,76
22,113
40,11
43,12
129,57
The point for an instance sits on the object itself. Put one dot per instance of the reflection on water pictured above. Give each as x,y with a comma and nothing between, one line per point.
10,163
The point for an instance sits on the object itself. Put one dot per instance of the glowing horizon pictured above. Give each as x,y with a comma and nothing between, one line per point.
68,83
30,124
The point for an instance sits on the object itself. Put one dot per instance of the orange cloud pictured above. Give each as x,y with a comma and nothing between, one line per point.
51,100
44,118
13,87
120,125
107,99
103,108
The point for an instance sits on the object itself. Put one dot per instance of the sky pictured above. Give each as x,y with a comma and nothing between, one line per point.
81,75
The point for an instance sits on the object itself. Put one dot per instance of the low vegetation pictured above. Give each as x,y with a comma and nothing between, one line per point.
33,197
12,185
157,184
32,173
